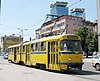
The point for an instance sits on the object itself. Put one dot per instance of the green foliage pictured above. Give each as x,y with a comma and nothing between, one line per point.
89,40
83,32
88,23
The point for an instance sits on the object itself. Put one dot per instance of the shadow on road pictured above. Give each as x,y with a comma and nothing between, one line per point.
84,72
70,72
76,72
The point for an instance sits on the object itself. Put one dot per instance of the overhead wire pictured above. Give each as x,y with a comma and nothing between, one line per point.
75,3
28,27
36,24
40,20
54,13
18,9
45,19
21,9
61,10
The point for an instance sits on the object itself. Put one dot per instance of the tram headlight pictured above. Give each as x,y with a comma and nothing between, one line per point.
70,59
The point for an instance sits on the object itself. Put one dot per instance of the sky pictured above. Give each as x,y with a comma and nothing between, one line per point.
31,14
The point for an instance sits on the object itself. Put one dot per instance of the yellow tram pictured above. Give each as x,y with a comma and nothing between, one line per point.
54,53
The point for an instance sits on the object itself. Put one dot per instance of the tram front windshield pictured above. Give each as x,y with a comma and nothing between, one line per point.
71,45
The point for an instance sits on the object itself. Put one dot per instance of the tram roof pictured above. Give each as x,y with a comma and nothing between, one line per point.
14,45
43,39
48,38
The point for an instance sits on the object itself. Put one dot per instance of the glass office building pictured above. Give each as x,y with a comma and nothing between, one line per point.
79,12
59,8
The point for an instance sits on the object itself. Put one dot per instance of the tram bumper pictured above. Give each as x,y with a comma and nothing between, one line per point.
75,65
72,64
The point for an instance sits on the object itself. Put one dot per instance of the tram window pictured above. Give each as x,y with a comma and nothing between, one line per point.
8,50
43,46
56,45
23,48
53,46
17,49
32,47
37,46
11,50
63,45
70,45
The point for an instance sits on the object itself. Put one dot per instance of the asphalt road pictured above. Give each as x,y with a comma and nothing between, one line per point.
14,72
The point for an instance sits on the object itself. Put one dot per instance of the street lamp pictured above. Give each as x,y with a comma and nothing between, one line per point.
21,31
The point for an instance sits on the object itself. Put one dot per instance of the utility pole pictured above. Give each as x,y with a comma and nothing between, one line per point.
0,7
21,35
5,43
21,45
98,18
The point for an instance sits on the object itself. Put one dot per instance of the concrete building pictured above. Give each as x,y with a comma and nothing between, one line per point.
98,18
63,24
78,12
7,41
95,25
37,32
59,8
89,25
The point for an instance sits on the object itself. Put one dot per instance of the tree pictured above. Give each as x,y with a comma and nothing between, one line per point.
96,41
89,40
83,32
92,40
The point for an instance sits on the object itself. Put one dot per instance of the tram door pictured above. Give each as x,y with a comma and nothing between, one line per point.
14,54
27,54
52,54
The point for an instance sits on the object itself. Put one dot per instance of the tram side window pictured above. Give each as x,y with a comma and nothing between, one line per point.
11,51
43,46
32,47
37,46
56,43
23,48
17,49
8,50
53,46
